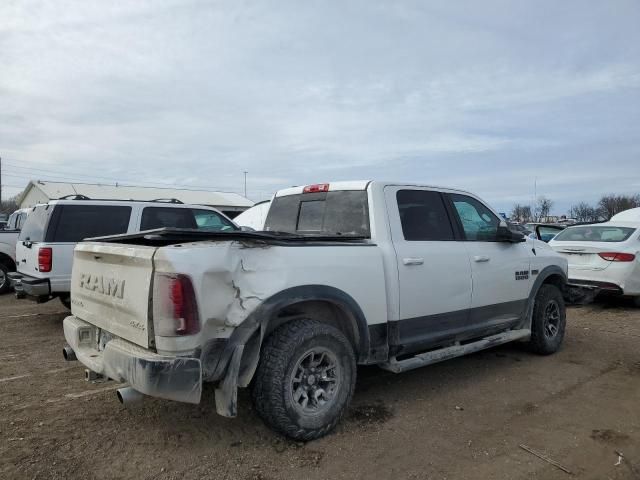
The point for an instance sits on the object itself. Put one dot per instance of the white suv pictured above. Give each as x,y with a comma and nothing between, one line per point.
44,252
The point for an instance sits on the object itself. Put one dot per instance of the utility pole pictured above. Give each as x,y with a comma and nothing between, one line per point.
245,184
0,182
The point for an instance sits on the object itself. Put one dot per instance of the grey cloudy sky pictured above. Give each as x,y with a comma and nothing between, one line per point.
480,95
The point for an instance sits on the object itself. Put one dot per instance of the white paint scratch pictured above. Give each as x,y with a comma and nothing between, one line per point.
8,379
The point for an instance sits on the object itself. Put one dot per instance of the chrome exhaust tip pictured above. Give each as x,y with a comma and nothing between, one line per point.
128,396
68,354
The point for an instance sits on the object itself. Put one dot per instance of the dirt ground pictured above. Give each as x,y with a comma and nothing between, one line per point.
463,419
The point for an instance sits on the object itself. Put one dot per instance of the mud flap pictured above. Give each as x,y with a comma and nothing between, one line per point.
227,390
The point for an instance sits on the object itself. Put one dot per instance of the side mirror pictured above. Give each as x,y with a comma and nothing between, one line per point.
504,234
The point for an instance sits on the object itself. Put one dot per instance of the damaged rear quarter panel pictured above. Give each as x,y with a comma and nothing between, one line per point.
232,279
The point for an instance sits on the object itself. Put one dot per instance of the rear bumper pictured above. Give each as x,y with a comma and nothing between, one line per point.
38,289
620,278
168,377
601,287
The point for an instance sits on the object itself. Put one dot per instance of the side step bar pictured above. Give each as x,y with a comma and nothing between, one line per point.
442,354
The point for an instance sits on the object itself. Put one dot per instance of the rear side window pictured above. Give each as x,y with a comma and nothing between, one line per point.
423,216
478,222
34,226
20,219
74,223
326,213
166,217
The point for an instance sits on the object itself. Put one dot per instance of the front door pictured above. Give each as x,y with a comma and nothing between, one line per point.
500,270
433,270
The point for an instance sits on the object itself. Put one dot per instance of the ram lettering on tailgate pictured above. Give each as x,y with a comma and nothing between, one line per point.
103,285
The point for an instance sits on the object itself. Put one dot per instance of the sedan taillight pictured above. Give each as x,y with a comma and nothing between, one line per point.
617,256
175,311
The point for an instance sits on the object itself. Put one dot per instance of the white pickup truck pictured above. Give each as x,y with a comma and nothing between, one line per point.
8,239
346,273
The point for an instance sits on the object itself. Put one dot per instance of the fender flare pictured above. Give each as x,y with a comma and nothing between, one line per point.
241,354
541,278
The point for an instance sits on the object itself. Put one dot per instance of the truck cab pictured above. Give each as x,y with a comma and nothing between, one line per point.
8,238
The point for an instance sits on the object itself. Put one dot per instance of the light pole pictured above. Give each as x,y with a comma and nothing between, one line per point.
245,184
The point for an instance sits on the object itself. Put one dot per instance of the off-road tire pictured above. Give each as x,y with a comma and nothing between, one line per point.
66,301
544,339
5,283
272,390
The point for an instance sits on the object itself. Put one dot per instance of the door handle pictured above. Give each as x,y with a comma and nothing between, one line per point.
481,258
413,261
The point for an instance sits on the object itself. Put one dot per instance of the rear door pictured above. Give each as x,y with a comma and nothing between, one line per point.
433,269
500,270
31,237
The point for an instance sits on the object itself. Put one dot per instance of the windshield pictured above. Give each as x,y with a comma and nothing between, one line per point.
594,233
34,226
343,213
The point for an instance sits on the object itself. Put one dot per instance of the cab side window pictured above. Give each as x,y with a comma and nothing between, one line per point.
478,222
424,216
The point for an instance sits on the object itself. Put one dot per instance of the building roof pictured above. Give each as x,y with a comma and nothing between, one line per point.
54,190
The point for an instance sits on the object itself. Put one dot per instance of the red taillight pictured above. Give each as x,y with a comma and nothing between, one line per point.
319,187
45,259
617,256
175,311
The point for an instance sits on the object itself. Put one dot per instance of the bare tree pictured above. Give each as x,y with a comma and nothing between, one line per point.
544,206
521,213
611,204
9,206
583,212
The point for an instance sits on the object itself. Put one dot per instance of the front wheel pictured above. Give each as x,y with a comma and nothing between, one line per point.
549,321
305,379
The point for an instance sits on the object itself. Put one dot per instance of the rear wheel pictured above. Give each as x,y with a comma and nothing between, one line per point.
548,322
5,283
305,379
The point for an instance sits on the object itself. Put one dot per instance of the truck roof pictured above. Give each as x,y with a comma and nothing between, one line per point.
359,185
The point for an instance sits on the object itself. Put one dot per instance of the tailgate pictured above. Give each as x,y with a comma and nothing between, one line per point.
27,259
110,288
